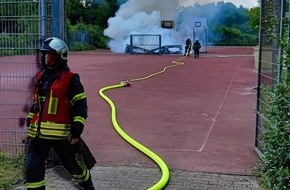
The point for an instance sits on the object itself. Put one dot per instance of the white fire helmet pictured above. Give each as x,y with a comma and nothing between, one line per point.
56,45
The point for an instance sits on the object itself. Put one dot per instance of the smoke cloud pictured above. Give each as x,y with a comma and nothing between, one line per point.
145,16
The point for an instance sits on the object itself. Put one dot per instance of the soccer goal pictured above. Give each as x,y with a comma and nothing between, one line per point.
144,44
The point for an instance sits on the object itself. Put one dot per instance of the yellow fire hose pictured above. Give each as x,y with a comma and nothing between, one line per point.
162,165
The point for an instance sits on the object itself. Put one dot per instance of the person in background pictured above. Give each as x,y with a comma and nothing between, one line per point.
196,48
188,45
57,117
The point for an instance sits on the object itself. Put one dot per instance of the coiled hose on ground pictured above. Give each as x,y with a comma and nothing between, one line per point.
162,165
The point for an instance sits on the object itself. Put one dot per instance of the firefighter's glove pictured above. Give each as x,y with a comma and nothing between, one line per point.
28,122
77,129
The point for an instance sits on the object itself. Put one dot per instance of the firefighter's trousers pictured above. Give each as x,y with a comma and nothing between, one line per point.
187,50
35,165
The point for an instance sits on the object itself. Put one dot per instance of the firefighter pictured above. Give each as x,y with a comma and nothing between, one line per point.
188,45
196,47
56,118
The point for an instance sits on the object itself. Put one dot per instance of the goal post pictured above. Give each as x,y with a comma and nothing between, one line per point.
200,32
145,44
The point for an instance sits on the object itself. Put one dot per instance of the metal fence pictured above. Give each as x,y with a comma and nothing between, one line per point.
21,32
80,40
273,12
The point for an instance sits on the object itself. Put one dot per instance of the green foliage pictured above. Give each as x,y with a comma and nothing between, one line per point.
254,18
10,11
276,140
227,24
234,36
91,13
236,40
75,10
10,44
230,31
90,20
18,36
275,172
11,171
93,37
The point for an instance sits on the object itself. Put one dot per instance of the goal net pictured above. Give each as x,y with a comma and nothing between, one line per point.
144,44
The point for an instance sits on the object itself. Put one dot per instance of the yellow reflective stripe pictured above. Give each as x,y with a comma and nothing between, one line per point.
56,126
56,133
31,134
77,97
84,176
53,129
52,105
80,119
52,137
35,185
32,131
30,115
42,98
33,127
83,179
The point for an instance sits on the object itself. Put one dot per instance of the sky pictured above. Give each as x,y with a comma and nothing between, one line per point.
244,3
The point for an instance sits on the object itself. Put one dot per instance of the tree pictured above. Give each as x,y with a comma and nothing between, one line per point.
91,19
75,10
254,18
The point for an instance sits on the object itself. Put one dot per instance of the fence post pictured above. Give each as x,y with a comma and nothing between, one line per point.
58,25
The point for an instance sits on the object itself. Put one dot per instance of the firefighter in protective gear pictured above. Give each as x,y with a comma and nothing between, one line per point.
188,45
56,118
196,47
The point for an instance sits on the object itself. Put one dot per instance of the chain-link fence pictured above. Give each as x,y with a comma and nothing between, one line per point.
270,71
21,32
80,40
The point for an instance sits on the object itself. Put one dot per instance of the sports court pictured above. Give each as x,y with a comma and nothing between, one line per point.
198,117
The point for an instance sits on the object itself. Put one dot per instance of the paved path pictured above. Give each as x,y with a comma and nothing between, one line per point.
135,178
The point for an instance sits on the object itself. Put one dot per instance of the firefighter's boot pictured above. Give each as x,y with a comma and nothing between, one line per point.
88,185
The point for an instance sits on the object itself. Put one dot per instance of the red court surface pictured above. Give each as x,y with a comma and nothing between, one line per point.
198,117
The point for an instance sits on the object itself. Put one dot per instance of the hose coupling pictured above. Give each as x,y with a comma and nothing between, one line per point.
126,83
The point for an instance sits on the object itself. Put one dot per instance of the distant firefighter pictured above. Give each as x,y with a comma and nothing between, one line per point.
188,45
196,47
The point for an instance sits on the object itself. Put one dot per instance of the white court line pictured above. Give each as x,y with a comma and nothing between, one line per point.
219,110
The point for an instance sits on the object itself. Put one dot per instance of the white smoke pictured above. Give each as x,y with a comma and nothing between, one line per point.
144,17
